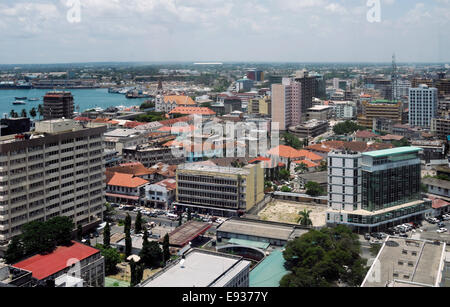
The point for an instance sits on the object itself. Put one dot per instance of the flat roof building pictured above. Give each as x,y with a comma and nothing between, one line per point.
407,263
224,191
201,268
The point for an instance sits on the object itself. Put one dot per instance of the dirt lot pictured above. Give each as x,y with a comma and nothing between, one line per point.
287,212
124,272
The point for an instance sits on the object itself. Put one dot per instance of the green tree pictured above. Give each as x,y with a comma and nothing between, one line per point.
286,189
128,244
314,189
304,218
324,258
107,236
166,248
189,214
284,174
112,259
138,223
79,232
323,167
347,127
40,111
33,112
23,113
127,224
15,251
109,213
302,167
151,254
292,141
180,220
137,272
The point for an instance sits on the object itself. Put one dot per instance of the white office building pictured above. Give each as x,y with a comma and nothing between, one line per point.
423,106
344,184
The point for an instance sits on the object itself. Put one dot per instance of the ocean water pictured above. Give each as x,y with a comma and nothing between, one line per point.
85,99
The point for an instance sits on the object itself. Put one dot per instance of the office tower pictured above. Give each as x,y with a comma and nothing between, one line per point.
58,105
58,170
308,88
385,109
223,191
423,106
255,75
390,188
286,103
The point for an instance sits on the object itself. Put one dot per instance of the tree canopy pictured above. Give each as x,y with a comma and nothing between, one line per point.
347,127
314,189
292,141
324,258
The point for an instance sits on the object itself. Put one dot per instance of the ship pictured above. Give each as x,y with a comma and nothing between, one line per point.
34,99
20,98
19,102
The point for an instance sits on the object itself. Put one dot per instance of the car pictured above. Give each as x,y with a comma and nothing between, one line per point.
403,235
121,207
367,236
442,230
441,225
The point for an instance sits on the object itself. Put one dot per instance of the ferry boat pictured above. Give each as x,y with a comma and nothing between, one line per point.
19,102
20,98
34,99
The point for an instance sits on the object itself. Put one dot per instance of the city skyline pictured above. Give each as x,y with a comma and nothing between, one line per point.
227,31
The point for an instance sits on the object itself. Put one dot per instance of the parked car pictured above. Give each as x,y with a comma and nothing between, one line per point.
441,225
367,237
442,230
403,235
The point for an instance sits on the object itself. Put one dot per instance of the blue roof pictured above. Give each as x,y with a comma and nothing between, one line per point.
270,271
393,151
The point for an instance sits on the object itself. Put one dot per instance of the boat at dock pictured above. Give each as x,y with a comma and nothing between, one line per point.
19,102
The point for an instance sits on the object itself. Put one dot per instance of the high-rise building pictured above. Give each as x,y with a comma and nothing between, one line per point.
286,104
380,109
376,189
58,170
58,105
255,75
308,90
423,106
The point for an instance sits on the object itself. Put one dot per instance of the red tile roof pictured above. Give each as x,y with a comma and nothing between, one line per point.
126,180
43,266
365,134
285,152
391,137
179,100
192,110
134,168
169,184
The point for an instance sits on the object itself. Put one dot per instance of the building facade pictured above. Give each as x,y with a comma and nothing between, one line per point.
423,106
223,191
56,171
58,105
390,190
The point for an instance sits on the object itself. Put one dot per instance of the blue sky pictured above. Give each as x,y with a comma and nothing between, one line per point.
224,30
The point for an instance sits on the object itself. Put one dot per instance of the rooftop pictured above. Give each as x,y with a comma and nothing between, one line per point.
406,262
393,151
126,180
257,228
270,271
213,169
43,266
187,232
200,268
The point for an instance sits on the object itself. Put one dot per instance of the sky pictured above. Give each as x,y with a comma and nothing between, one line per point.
55,31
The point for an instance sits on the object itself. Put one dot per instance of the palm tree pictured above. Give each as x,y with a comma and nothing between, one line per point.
40,110
303,168
23,113
33,112
304,219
